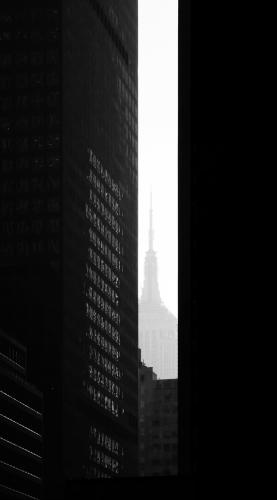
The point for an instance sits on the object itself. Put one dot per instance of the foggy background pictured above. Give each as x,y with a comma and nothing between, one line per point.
158,140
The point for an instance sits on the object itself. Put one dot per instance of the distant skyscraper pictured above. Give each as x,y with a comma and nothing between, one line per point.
68,229
157,325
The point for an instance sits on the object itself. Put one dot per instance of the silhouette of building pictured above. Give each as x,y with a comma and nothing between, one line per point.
68,233
158,439
21,425
157,325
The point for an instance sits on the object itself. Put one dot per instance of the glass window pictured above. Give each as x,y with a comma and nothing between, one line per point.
36,58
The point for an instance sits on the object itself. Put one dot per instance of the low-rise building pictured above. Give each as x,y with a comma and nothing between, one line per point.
158,419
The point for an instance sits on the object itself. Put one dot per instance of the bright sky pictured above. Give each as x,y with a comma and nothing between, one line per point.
158,140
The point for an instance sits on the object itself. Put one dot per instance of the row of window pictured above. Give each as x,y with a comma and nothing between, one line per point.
103,305
17,355
26,248
8,250
24,58
168,436
105,441
96,260
102,342
105,213
102,323
33,144
104,382
34,36
131,156
161,435
131,138
110,30
34,100
35,227
127,78
22,227
163,461
104,287
103,230
25,15
105,195
92,472
131,121
97,280
22,123
104,174
104,460
165,446
105,251
22,206
101,400
6,103
161,410
129,100
36,163
30,185
109,275
19,206
104,363
5,19
32,80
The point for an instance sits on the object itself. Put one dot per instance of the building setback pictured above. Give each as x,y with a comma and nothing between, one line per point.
157,325
21,426
68,231
158,440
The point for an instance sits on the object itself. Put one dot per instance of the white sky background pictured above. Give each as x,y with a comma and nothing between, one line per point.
158,140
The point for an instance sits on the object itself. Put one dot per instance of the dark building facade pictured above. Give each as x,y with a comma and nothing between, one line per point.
21,426
158,337
158,424
68,276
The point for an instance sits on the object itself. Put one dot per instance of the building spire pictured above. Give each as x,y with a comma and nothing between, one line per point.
150,291
151,234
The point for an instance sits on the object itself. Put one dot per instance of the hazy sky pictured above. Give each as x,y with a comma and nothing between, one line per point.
158,139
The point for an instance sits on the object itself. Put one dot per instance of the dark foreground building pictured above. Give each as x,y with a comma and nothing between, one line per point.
68,230
21,426
158,424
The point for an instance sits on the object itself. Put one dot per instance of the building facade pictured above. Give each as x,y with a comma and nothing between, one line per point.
158,424
68,83
157,325
21,426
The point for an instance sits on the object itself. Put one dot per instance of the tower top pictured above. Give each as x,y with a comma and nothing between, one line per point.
151,233
150,291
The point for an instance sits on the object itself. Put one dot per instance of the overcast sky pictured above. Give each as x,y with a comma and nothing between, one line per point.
158,140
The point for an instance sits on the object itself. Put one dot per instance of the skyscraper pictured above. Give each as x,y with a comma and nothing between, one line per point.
68,209
157,424
157,325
